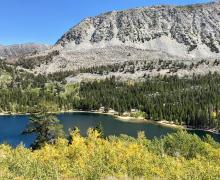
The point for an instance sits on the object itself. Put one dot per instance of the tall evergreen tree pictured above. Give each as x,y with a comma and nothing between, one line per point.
47,128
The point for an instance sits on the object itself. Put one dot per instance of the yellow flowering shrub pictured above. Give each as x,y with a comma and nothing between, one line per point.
93,157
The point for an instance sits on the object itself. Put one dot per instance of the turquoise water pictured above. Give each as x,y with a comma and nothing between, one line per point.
12,126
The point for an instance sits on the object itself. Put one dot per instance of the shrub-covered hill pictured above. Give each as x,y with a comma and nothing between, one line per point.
176,156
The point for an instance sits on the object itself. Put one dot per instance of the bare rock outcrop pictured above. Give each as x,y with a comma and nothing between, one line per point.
179,30
182,33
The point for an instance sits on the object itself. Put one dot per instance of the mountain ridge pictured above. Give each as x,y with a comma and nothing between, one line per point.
14,51
177,33
109,26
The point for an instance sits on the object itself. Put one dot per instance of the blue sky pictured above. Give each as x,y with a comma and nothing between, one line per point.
44,21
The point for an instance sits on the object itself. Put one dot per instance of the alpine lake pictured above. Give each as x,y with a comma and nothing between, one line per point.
11,127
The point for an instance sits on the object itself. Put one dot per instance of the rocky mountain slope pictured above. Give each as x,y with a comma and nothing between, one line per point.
177,33
182,31
20,50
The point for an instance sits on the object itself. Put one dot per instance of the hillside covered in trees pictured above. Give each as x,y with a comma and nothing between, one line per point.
193,101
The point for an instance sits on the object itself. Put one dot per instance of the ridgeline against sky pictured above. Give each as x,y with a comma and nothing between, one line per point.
43,21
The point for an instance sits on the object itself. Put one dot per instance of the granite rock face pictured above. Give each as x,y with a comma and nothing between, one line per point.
178,33
195,29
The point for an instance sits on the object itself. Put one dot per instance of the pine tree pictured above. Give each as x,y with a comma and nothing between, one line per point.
47,128
99,128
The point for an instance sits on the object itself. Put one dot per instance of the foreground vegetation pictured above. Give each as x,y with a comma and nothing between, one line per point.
54,155
176,156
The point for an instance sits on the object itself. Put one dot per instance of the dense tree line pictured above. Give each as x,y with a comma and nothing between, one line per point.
194,101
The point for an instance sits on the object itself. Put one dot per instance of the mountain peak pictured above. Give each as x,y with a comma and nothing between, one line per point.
178,33
194,27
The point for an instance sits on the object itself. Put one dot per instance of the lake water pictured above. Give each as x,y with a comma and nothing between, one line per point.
12,126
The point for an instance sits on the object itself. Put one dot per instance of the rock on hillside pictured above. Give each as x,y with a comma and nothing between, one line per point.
148,33
20,50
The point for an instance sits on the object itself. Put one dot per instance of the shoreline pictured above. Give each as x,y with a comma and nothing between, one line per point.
126,119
